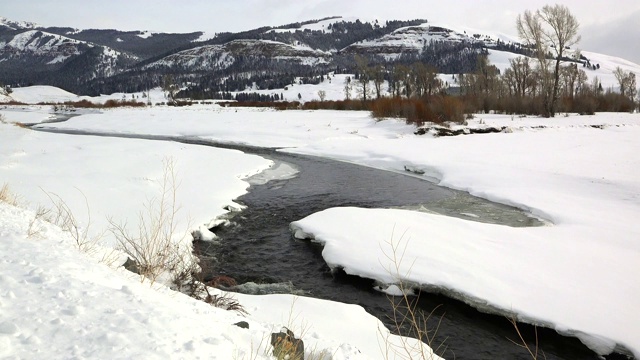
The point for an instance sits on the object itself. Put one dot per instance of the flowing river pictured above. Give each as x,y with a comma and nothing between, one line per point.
259,252
258,248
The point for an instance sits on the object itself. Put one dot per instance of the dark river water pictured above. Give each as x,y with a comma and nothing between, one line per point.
258,248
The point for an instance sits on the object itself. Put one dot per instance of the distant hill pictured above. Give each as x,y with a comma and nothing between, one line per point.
92,62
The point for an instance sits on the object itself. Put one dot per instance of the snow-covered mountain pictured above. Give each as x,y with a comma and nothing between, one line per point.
43,45
91,62
16,25
212,57
412,39
33,53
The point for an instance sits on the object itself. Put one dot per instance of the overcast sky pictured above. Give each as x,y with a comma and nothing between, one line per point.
608,27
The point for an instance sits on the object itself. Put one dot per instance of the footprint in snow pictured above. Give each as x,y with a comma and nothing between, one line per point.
73,310
8,328
32,340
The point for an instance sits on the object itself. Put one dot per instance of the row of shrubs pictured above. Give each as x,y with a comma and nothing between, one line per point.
90,105
84,104
584,104
279,105
436,109
433,109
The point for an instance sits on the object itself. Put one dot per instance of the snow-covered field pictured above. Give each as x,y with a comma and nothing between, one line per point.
50,94
577,275
57,302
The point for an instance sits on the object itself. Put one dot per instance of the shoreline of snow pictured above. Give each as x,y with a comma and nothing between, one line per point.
420,238
581,178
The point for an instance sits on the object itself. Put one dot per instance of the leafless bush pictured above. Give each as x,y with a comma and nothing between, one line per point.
151,246
190,281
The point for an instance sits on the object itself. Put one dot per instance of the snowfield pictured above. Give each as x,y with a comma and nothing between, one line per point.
50,94
577,275
57,302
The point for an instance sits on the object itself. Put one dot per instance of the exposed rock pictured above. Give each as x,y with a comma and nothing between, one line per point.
242,324
439,131
132,266
413,170
286,346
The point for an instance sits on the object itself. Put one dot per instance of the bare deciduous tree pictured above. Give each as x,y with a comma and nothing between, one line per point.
549,31
627,82
170,88
377,75
363,77
347,88
520,76
322,95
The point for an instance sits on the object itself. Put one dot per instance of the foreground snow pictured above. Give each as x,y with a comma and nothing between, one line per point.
58,304
579,173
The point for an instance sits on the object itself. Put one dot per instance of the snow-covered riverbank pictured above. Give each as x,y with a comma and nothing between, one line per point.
57,302
577,275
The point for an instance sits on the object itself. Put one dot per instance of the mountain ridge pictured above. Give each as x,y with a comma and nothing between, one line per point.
94,61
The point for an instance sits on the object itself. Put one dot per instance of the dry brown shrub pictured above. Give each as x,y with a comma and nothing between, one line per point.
13,102
447,108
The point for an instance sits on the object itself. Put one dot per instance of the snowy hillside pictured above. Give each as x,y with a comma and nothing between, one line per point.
56,49
413,39
16,25
324,25
408,40
604,74
216,57
42,44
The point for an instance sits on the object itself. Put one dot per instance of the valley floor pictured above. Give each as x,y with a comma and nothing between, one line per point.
578,274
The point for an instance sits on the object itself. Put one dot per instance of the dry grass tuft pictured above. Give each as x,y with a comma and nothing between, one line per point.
8,197
523,344
62,216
